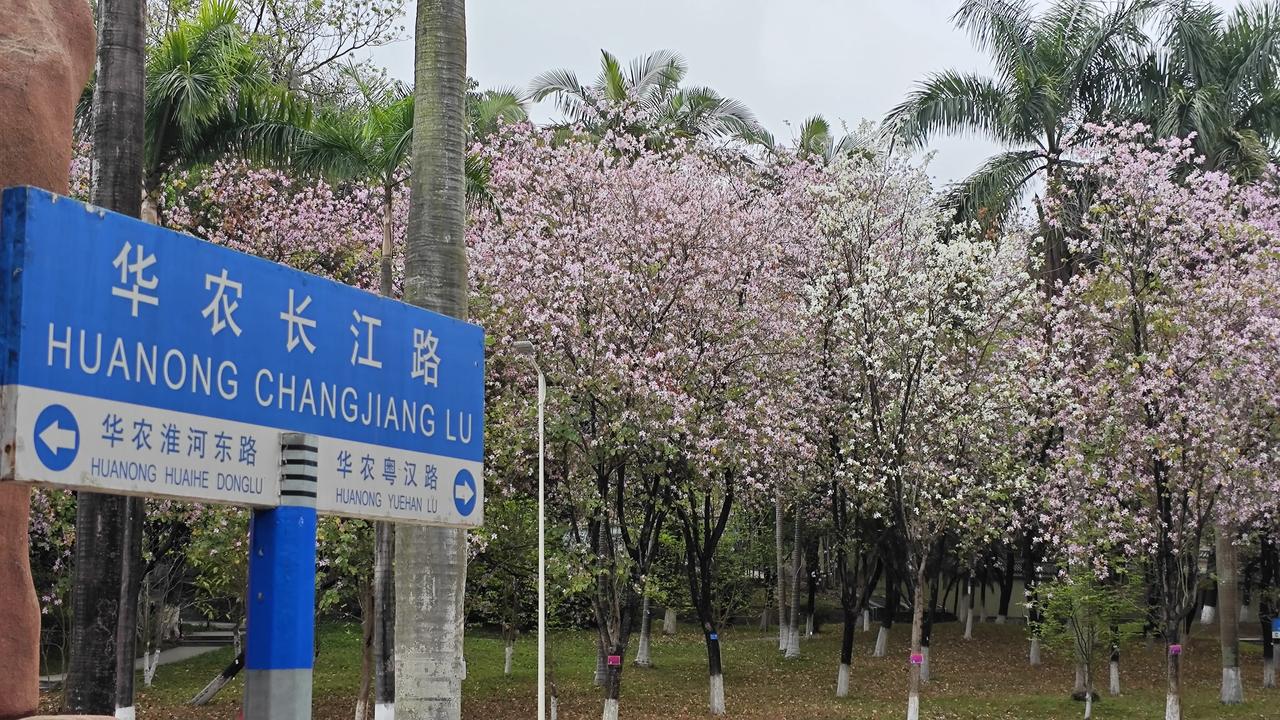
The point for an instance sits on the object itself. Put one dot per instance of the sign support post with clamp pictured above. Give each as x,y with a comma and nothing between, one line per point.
280,646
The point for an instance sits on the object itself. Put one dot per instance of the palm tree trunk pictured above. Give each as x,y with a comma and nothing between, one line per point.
100,519
384,536
127,621
384,618
431,563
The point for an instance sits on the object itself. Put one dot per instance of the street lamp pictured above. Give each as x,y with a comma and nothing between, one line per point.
529,352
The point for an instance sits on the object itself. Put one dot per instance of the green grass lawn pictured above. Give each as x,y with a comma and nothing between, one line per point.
986,678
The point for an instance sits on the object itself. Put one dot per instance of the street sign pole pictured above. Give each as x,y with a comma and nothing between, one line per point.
280,645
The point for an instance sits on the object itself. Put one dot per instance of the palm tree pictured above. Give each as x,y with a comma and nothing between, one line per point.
96,589
1053,74
1214,74
431,562
816,141
204,86
650,85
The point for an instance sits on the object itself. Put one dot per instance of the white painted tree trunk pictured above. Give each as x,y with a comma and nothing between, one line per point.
149,665
808,625
125,713
1035,652
1232,687
913,707
924,665
1000,619
669,622
1269,673
553,708
1088,705
1208,614
362,709
793,642
646,625
610,710
717,695
1172,708
797,555
866,621
1245,616
968,625
387,711
842,681
1114,686
508,654
882,642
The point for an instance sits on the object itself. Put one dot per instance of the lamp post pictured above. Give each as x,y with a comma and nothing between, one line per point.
527,350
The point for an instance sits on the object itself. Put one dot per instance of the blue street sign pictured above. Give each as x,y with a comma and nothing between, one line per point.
176,363
1275,629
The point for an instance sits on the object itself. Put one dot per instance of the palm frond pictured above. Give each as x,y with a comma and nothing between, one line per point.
951,102
996,187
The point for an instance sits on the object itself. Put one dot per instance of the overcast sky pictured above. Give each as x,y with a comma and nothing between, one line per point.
786,59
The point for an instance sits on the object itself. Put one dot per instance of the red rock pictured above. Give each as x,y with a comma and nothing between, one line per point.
46,55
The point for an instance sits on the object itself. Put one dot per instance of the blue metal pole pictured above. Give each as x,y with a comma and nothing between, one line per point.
280,645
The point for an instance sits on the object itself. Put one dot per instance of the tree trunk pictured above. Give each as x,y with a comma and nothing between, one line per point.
926,637
1266,612
613,684
811,565
367,634
782,571
384,533
602,671
384,621
642,653
127,622
715,671
669,622
509,652
431,563
890,607
1209,612
917,634
846,653
797,552
1006,587
1173,672
969,609
100,519
1114,685
1228,611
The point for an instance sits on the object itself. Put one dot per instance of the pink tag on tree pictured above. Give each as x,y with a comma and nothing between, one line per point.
1175,649
615,660
917,659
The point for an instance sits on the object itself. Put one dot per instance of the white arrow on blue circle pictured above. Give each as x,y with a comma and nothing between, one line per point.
57,438
464,492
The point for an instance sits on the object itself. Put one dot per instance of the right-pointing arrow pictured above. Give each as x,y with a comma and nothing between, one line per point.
464,492
57,438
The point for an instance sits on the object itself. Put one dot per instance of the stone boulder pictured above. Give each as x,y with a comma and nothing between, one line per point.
46,56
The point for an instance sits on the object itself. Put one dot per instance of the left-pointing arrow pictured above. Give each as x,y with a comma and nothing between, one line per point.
57,438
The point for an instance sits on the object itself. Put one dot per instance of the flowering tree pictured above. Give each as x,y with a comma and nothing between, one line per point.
1167,343
309,224
917,316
